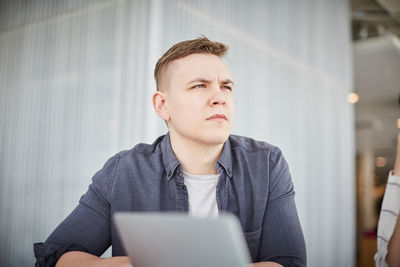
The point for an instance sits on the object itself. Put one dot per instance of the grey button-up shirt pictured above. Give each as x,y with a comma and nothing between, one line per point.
254,184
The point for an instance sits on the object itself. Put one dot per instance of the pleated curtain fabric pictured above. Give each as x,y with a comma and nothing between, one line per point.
76,79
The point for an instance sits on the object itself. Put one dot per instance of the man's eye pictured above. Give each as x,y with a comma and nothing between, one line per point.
199,86
227,87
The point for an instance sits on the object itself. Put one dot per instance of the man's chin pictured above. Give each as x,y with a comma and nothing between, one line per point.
216,139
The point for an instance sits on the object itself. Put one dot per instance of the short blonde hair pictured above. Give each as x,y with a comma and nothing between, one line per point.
200,45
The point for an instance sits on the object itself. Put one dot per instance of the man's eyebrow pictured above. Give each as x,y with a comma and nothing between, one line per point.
227,81
202,80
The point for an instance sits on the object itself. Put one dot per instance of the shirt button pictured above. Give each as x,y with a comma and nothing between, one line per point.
181,186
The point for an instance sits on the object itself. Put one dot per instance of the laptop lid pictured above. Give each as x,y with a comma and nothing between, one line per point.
177,240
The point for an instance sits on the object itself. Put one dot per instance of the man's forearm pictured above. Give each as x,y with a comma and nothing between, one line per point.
393,256
265,264
78,259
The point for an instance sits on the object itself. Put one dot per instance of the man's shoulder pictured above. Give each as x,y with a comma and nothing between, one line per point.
251,145
141,150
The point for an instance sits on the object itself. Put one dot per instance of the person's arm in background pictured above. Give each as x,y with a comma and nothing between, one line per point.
393,255
393,252
388,216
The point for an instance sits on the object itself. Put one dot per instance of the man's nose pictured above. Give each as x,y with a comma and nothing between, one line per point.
217,96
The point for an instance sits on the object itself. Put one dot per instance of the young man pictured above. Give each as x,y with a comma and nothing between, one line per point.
197,167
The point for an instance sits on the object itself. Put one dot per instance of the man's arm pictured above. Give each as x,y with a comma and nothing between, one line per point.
86,231
282,239
266,264
82,259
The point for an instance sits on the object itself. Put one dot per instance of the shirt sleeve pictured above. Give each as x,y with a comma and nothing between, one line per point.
282,238
87,228
387,218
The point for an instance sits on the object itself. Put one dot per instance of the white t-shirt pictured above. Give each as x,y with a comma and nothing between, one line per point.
202,194
387,219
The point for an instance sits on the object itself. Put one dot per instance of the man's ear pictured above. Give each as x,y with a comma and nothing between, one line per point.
160,105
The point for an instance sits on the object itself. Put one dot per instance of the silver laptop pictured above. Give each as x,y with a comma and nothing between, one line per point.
177,240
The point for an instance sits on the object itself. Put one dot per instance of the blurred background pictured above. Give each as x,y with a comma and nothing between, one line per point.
319,79
376,56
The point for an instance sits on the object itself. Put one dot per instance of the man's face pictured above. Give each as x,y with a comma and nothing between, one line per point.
199,99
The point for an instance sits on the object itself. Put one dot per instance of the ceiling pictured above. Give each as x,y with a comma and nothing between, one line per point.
371,18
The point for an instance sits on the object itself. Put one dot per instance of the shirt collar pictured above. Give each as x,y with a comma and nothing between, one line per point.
225,160
169,158
171,163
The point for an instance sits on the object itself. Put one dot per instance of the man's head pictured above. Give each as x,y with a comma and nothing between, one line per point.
194,92
181,50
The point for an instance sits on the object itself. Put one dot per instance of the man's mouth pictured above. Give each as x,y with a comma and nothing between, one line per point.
217,117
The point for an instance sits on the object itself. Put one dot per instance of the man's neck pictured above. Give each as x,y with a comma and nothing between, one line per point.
196,158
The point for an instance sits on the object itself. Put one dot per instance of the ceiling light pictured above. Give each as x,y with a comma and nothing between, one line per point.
380,162
353,98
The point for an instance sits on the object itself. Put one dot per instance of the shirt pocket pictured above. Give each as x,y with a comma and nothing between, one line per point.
253,242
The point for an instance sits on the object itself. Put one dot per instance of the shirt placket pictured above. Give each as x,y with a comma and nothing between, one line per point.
182,199
222,192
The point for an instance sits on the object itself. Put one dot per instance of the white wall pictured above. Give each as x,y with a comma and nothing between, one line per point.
75,87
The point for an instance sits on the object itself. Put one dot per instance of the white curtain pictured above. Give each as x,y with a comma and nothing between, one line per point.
76,84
